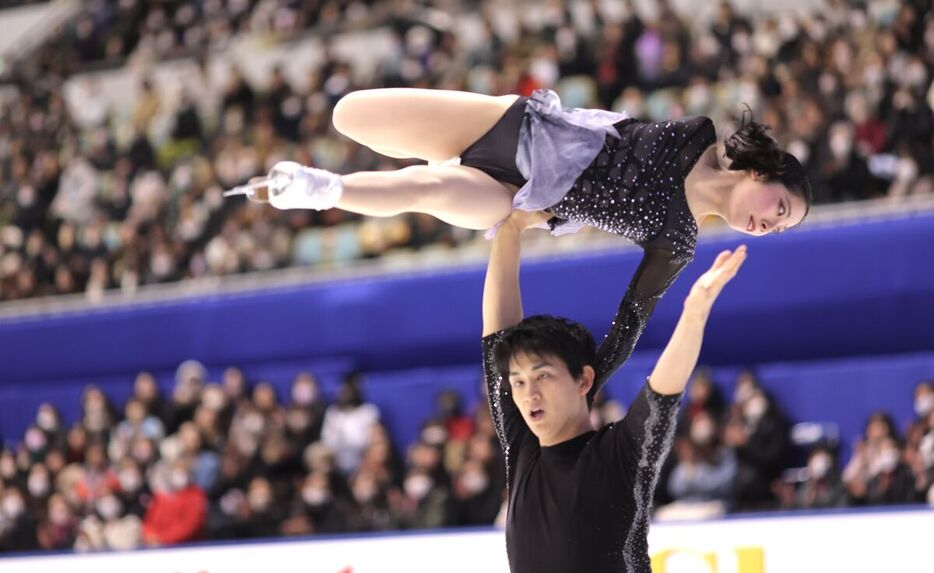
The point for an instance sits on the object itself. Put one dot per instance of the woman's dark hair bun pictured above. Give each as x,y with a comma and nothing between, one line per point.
750,147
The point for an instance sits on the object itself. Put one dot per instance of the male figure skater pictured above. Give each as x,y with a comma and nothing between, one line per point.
579,500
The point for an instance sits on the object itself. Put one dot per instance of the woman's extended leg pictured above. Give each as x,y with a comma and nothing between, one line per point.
459,195
433,125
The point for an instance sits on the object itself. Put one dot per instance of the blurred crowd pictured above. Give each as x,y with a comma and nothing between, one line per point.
232,459
742,456
92,199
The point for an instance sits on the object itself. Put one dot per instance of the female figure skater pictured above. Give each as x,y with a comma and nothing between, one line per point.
650,182
579,499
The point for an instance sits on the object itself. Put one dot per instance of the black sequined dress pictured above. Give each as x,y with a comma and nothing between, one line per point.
635,188
585,504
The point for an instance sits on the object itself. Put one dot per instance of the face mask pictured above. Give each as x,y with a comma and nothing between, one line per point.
7,468
698,99
819,466
46,420
787,27
840,146
434,435
259,501
633,106
34,440
924,404
873,75
109,507
926,449
743,393
38,486
887,460
26,196
800,150
303,394
474,482
741,42
417,486
179,479
297,421
702,433
253,422
214,399
755,408
315,496
364,493
130,481
13,506
59,515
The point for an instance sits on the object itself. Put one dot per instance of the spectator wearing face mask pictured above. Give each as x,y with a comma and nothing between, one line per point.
844,173
109,527
9,473
265,512
17,526
76,442
36,443
305,414
146,390
706,468
476,501
58,529
758,432
189,378
891,481
918,454
138,422
923,400
178,508
97,415
703,396
98,478
370,504
325,511
347,423
449,406
133,489
823,486
381,457
423,503
859,470
49,420
606,411
204,462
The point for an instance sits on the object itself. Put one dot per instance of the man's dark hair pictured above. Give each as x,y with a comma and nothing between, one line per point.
543,335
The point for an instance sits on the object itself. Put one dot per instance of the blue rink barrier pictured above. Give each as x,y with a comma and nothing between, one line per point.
810,294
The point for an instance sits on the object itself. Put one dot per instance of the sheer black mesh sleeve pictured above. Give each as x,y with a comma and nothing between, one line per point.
510,427
657,271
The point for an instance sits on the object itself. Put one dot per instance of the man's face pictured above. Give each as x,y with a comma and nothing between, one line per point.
553,404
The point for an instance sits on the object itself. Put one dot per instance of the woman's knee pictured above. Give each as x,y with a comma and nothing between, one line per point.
348,112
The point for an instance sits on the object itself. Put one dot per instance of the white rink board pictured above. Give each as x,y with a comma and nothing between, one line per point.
894,542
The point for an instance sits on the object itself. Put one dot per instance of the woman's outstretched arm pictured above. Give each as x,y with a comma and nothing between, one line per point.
657,271
678,360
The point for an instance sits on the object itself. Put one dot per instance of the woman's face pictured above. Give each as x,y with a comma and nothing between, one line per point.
759,208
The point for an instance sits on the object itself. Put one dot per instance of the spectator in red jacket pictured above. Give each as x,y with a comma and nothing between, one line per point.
178,509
